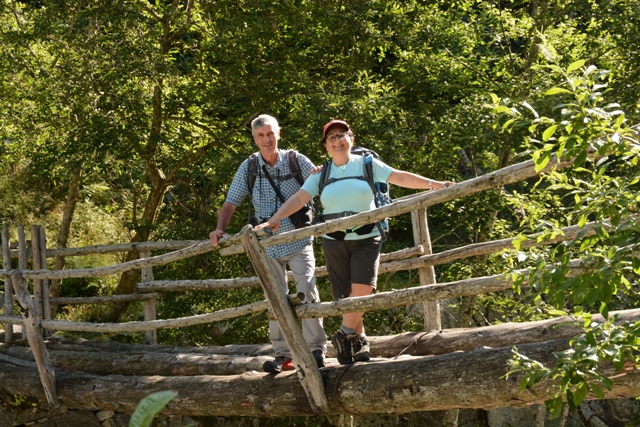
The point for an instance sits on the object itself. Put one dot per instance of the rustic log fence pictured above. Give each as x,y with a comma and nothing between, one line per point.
36,309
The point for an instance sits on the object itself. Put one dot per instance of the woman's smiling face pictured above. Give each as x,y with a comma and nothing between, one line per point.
338,141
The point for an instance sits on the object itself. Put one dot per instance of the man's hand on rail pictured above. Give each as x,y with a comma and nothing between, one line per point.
215,236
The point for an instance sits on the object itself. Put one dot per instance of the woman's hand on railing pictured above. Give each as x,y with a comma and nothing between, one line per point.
270,226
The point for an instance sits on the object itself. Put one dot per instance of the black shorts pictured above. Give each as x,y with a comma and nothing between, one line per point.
351,261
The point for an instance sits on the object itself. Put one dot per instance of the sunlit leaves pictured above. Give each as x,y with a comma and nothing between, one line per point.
577,371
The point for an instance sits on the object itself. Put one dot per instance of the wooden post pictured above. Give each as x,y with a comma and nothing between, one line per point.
427,274
23,254
150,304
36,341
8,287
46,305
37,265
306,366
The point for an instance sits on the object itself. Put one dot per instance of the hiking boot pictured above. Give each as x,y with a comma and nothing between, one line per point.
343,345
318,355
279,364
361,348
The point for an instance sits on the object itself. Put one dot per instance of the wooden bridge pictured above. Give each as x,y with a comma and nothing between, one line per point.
414,371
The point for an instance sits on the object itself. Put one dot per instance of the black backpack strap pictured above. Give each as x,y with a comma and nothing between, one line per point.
252,174
273,185
252,171
324,176
294,166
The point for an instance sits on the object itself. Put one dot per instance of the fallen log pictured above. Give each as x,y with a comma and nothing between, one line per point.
108,357
148,363
505,334
453,381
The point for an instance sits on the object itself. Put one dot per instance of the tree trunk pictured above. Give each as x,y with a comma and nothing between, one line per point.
73,194
159,186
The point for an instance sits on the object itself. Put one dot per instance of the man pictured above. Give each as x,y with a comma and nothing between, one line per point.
297,255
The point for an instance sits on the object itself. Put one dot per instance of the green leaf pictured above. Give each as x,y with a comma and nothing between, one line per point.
541,159
556,90
554,406
580,393
582,221
597,391
604,310
580,158
537,301
574,66
586,319
548,133
149,407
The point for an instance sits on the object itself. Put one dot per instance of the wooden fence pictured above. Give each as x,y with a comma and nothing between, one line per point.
36,305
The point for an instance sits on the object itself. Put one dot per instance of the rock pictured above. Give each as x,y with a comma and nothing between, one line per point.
103,415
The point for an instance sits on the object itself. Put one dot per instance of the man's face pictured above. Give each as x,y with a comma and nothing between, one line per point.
266,138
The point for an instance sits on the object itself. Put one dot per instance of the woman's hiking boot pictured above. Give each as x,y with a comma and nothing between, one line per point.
361,348
343,344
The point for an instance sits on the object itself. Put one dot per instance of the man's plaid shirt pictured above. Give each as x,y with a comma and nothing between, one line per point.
264,198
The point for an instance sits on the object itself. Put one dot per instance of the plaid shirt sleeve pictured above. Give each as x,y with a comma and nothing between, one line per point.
239,188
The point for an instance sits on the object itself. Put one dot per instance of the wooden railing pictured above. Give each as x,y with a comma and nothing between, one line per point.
36,307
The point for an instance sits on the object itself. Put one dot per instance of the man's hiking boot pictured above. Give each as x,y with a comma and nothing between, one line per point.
318,355
343,345
361,348
279,364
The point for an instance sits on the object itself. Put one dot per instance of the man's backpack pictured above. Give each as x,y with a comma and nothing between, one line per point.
380,190
304,216
294,166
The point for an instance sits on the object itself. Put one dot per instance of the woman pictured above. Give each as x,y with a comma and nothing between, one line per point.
352,256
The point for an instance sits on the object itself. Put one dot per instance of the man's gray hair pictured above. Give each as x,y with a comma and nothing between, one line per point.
264,119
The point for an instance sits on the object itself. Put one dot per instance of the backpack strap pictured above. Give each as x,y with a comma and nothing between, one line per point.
368,174
324,177
252,171
294,166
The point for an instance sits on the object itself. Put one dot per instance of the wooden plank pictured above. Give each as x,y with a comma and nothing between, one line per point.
36,340
150,304
427,274
8,287
306,367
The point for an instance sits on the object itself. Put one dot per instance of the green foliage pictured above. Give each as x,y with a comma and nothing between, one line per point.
149,407
578,370
596,191
151,102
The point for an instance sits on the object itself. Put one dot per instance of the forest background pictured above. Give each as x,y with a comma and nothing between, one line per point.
126,120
